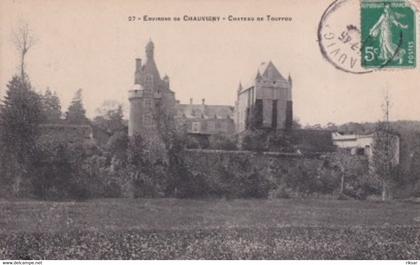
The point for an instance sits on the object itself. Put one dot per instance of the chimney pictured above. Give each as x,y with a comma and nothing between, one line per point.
138,64
191,101
203,101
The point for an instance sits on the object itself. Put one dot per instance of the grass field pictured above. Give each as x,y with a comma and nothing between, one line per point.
212,229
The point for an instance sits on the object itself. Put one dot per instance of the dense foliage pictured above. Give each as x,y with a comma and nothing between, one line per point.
76,113
20,115
51,107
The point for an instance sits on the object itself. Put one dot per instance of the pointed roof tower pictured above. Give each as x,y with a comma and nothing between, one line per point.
150,46
258,75
150,68
268,70
240,87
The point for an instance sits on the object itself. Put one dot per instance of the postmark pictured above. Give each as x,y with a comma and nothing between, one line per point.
388,34
362,36
339,36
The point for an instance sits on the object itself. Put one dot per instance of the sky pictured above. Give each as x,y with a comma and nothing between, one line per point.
92,45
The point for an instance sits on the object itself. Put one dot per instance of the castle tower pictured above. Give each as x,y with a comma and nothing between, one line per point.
150,99
265,102
150,47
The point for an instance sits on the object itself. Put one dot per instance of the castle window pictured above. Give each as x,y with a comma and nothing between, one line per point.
148,103
147,119
224,126
196,127
210,126
360,151
149,80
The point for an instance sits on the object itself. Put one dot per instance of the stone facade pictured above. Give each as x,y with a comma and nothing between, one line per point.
205,119
266,102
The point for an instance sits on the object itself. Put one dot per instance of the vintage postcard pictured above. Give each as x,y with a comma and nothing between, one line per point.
216,130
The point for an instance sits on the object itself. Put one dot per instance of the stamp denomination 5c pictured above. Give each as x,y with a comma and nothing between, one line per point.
362,36
388,34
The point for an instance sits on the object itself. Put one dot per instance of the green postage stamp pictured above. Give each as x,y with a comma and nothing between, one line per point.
388,34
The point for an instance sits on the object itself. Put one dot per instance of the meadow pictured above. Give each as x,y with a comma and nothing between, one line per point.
210,229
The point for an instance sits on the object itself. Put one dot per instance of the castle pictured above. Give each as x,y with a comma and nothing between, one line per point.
266,102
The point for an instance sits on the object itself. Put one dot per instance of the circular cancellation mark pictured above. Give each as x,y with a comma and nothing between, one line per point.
339,36
359,40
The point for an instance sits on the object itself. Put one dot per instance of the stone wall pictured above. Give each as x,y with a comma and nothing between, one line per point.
310,173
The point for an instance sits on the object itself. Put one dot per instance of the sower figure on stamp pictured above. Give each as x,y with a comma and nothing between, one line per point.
383,30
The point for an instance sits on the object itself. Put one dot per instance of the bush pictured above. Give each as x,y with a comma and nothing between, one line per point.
192,142
195,185
254,141
67,171
224,181
280,192
112,190
360,187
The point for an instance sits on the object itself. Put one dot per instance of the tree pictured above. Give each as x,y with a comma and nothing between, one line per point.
314,127
76,113
331,126
110,117
296,124
384,150
118,145
383,159
20,115
23,40
51,106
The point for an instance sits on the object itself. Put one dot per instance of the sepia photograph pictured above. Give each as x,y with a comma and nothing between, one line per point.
209,130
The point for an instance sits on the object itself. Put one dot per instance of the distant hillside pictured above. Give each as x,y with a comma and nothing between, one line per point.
367,127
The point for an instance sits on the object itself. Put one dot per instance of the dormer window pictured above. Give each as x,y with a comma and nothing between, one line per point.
149,80
196,127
